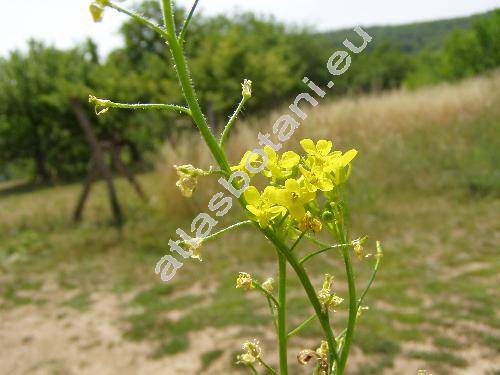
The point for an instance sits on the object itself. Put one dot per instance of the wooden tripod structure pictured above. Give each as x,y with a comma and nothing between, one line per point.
98,167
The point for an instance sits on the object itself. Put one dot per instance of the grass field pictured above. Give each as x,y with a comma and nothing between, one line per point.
85,299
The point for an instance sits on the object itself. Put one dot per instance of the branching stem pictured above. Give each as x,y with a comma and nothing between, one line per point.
182,34
138,18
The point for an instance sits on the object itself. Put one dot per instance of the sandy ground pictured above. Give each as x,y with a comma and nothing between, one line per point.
54,339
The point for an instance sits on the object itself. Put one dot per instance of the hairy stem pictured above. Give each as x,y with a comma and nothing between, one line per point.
184,77
105,103
138,18
232,120
182,34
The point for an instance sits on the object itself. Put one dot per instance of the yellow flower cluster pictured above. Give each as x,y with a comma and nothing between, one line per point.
295,182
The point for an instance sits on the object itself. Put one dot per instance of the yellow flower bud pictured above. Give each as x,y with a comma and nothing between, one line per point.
188,178
310,224
268,285
252,353
326,297
244,281
96,10
246,89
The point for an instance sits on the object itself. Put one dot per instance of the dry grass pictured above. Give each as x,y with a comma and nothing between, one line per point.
366,122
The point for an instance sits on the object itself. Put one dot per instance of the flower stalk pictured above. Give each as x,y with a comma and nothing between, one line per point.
288,206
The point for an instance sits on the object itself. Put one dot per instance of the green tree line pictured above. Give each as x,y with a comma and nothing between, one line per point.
40,136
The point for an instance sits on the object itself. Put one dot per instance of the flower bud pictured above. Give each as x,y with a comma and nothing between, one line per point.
188,178
96,10
310,223
244,281
268,285
246,89
327,216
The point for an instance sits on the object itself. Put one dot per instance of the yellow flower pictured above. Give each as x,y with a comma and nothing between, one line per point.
268,285
310,224
242,166
293,197
188,178
244,281
246,89
194,246
280,167
319,150
252,353
326,297
316,179
263,206
97,9
340,166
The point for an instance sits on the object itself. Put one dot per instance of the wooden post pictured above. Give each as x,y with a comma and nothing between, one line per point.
118,163
100,164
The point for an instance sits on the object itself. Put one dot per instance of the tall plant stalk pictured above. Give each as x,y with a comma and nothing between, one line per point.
333,359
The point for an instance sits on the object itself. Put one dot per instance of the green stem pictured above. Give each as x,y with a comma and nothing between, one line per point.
254,371
266,293
182,34
302,325
228,229
269,368
310,292
184,77
273,315
282,336
232,120
297,242
369,284
138,18
105,103
309,256
353,311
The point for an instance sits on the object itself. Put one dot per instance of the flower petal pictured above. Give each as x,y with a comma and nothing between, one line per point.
308,146
324,147
289,160
349,156
252,196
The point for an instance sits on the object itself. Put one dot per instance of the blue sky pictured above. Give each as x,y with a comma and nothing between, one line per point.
65,22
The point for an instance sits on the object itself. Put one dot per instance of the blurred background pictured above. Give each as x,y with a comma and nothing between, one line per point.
421,104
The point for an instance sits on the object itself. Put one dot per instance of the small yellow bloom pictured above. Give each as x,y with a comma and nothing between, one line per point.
244,281
319,150
361,309
263,206
188,178
251,158
310,224
252,353
316,179
358,249
326,297
268,285
97,9
293,197
194,246
340,166
280,167
246,89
